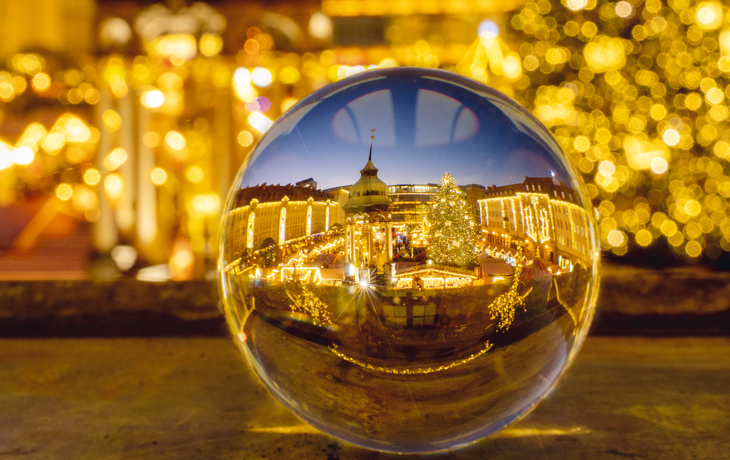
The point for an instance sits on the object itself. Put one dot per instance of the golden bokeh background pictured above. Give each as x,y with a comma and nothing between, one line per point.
122,123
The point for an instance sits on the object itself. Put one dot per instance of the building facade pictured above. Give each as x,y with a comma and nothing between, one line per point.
542,212
280,214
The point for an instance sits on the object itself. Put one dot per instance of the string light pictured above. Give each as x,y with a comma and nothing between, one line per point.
650,100
64,192
92,176
158,176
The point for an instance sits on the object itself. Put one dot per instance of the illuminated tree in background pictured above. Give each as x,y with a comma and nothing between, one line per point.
453,232
636,94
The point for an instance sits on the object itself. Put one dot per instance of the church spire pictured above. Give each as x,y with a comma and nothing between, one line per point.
370,169
372,136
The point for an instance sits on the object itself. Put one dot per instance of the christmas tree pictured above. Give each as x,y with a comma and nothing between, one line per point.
453,232
635,93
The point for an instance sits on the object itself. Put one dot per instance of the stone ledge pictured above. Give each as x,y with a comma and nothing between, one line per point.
632,301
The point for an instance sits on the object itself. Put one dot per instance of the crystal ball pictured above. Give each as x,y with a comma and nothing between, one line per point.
408,260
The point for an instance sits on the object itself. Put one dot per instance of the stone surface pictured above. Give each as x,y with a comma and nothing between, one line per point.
193,398
632,301
635,290
123,307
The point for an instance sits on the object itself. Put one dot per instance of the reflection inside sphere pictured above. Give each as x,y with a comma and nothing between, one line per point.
407,261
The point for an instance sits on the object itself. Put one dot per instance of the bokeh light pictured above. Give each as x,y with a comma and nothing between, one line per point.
114,185
158,176
245,138
64,192
635,91
115,159
92,176
175,140
153,99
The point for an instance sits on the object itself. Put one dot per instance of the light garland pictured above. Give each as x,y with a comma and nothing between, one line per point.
425,370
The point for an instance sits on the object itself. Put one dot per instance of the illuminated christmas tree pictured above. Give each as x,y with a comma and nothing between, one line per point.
635,93
453,232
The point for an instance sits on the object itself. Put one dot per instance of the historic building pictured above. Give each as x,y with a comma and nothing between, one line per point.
540,211
411,205
368,235
281,214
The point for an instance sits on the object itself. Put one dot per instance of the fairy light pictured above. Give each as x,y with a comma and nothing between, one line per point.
175,140
112,120
261,77
245,138
576,5
115,159
158,176
113,185
92,176
151,139
194,174
642,123
153,99
670,137
23,155
659,165
210,44
41,82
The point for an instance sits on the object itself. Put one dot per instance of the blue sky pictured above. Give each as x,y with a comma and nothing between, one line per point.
428,123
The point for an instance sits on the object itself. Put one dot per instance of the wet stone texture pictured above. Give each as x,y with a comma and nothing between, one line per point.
194,398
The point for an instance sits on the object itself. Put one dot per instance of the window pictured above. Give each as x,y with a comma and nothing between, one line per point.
250,230
395,315
309,221
282,226
423,314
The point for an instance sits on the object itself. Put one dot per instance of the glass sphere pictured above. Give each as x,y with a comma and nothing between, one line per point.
408,260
